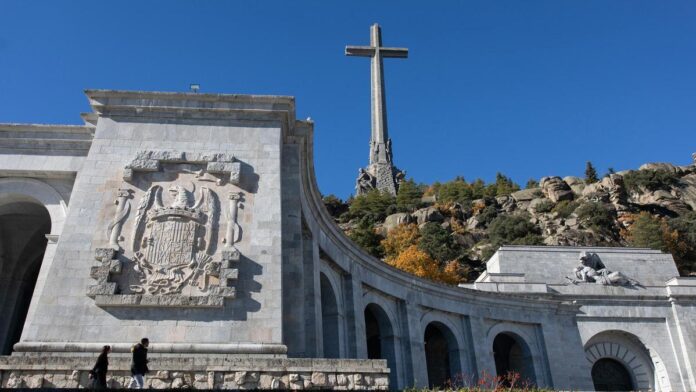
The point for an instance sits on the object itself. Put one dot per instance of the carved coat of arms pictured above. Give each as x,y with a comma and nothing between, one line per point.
175,253
171,242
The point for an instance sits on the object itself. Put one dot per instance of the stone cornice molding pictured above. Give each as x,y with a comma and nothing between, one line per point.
194,106
207,348
43,138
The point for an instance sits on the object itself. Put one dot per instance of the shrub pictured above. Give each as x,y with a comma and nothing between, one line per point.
364,235
651,180
595,216
544,206
565,208
513,230
437,243
532,183
487,215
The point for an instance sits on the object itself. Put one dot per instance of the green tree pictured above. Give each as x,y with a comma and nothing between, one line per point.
595,216
455,191
565,208
374,205
682,242
437,242
651,180
513,230
478,189
504,185
532,183
334,205
364,235
408,198
646,232
590,173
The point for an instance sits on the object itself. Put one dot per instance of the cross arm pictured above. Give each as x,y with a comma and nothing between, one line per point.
394,52
363,51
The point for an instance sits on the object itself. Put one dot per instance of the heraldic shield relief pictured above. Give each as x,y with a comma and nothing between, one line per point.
179,242
173,249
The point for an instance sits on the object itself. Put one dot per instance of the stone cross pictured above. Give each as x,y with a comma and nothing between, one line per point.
381,169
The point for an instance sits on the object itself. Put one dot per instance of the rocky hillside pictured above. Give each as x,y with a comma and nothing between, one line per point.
446,231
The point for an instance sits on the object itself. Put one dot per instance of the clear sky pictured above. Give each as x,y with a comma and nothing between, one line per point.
527,88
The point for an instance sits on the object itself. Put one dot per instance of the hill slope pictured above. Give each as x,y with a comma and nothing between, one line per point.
446,231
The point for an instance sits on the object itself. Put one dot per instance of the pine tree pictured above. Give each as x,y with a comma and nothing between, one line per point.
364,235
590,173
532,183
409,196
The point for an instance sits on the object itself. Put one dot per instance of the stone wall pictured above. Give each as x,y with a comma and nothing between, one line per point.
209,372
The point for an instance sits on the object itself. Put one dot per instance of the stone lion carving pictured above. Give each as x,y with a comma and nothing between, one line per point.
592,270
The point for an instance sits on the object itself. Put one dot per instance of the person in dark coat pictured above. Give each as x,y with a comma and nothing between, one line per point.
98,372
139,364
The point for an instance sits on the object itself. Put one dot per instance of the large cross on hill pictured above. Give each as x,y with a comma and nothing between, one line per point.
380,173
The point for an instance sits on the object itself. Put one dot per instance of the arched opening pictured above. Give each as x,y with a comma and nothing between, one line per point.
611,375
379,336
513,357
330,319
24,224
441,354
621,361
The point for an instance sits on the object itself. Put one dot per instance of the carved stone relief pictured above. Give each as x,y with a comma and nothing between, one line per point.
181,237
591,269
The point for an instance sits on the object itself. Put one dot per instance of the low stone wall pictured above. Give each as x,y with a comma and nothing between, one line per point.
198,372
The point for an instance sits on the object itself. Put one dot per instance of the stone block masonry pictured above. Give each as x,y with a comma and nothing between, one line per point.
199,372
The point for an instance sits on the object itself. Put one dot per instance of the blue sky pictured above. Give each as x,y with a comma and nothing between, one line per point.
527,88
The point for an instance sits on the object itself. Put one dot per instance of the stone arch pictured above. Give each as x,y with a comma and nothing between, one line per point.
645,368
25,221
512,353
441,354
330,318
33,190
380,338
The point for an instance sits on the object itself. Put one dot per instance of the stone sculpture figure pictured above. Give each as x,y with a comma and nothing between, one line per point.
122,210
365,183
233,233
592,270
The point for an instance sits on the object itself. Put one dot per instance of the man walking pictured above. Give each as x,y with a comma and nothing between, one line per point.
139,364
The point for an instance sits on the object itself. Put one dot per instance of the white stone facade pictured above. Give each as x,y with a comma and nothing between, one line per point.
195,220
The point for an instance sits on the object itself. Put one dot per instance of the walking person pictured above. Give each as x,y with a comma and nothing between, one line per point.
139,364
98,372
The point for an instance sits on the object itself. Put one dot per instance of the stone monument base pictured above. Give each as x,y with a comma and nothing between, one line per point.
197,371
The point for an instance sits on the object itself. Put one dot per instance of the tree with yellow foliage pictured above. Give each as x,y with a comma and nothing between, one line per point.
398,239
416,262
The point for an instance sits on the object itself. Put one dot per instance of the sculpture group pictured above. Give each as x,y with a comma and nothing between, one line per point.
592,270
